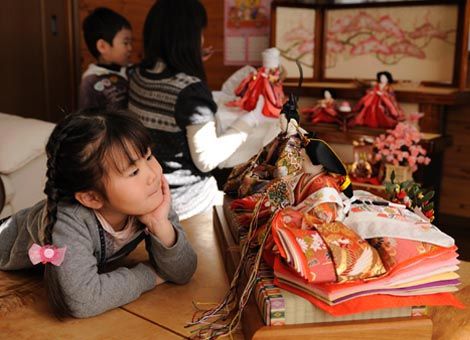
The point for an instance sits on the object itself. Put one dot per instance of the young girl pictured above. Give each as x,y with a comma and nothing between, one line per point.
105,193
169,94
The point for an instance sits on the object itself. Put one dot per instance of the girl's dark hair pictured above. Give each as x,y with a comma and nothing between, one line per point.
80,151
386,74
102,23
172,33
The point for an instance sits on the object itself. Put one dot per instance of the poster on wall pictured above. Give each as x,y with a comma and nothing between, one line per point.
413,43
246,31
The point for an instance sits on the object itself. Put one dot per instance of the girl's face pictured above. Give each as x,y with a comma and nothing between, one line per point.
136,189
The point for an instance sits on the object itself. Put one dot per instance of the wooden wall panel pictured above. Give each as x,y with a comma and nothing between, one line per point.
36,59
59,61
455,197
216,71
136,11
23,53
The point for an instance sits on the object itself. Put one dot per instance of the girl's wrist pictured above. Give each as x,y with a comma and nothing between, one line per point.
163,230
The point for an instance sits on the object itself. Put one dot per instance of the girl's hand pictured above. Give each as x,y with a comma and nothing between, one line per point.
160,213
157,220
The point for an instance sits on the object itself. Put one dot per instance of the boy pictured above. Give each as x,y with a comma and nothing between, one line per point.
108,37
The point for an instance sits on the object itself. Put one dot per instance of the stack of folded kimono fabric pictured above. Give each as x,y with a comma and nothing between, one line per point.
376,261
280,306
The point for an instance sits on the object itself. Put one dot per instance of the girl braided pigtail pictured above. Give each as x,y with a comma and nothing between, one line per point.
53,288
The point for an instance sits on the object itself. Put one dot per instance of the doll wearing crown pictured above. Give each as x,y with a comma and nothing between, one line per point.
265,81
378,108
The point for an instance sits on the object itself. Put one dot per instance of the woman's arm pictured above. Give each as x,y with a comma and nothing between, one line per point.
209,150
195,110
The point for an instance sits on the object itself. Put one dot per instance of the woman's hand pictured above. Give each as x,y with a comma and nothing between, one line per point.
157,220
207,52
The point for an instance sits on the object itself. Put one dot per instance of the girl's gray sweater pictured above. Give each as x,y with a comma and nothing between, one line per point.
87,291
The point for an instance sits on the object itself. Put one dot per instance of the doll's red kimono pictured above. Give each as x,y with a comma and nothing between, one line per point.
378,109
266,82
325,111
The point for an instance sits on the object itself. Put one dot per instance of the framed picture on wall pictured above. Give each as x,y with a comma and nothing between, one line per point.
415,43
340,41
294,35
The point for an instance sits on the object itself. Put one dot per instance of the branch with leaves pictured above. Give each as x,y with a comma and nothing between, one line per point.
412,195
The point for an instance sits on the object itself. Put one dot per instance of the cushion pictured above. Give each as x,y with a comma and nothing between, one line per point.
9,191
22,140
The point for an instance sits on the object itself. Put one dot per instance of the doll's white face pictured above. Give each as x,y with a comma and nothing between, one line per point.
383,79
327,95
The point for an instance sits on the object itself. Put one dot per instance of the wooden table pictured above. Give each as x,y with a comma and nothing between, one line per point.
158,314
25,314
208,284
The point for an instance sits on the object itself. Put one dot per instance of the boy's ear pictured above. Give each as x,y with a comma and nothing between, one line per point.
90,199
102,46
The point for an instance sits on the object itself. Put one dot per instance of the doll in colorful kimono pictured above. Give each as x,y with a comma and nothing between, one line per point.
265,81
325,110
378,108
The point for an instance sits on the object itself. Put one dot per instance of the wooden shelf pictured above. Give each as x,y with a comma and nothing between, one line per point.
404,93
433,142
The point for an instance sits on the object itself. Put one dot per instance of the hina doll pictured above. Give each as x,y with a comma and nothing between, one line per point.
325,111
378,108
265,81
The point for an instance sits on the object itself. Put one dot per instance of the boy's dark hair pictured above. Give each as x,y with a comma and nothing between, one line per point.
172,33
80,151
102,23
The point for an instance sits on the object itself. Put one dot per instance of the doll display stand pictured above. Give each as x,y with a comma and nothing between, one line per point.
254,327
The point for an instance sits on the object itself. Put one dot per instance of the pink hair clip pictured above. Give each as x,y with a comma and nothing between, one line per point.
46,254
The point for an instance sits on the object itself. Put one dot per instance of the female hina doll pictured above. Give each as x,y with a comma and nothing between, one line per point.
325,111
378,108
266,81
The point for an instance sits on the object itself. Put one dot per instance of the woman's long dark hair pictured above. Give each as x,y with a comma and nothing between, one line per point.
79,151
172,33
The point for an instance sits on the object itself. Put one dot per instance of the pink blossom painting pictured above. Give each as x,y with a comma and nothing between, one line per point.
414,43
295,32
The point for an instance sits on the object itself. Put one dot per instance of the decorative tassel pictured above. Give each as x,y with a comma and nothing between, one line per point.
224,318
